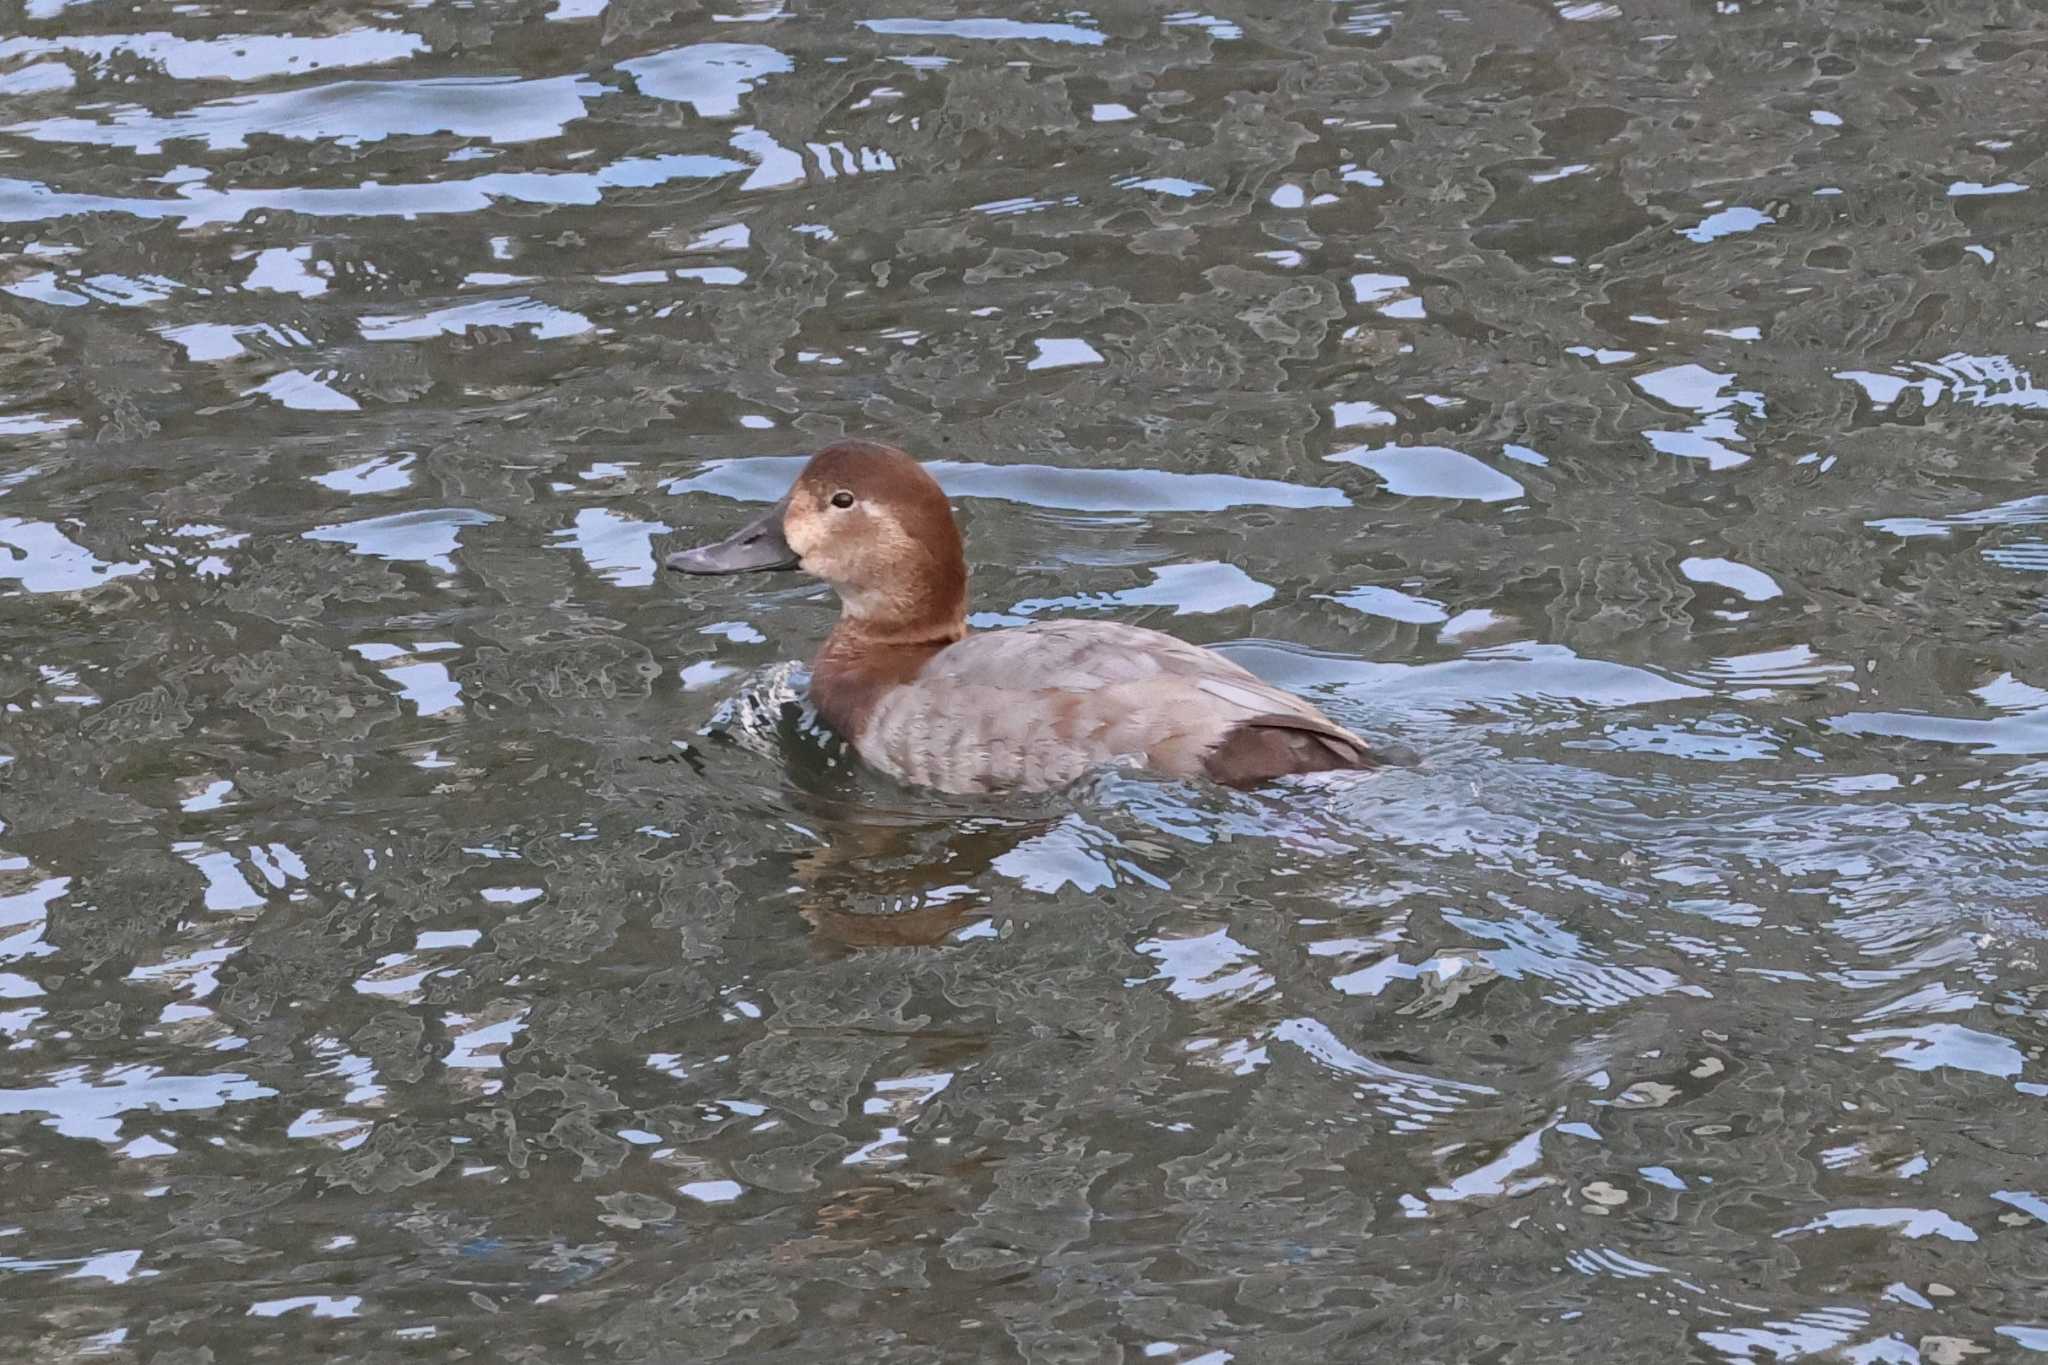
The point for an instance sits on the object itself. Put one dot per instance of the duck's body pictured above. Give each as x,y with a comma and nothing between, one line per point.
1037,706
1023,709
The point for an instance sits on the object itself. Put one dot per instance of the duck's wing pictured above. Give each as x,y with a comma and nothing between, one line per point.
1038,705
1080,656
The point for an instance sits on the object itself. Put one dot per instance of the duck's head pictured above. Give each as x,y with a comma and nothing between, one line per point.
867,519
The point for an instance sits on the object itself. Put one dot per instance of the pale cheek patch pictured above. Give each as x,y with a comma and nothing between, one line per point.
870,560
866,545
800,529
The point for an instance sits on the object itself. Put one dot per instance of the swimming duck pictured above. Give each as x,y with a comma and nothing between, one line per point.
1027,708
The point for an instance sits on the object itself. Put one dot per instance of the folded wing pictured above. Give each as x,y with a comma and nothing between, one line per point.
1038,706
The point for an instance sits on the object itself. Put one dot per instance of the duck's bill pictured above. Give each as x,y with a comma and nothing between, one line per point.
756,547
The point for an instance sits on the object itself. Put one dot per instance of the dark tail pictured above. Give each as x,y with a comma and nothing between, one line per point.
1265,747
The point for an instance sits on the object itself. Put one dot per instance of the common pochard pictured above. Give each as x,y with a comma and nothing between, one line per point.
926,701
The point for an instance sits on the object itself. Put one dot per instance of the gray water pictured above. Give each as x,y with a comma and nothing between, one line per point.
429,933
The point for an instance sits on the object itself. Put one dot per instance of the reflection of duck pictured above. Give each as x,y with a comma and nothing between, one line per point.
1025,709
897,882
923,927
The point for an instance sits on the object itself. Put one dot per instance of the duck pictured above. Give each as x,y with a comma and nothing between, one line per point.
924,700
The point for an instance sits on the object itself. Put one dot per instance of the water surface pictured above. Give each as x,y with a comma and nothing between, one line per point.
427,932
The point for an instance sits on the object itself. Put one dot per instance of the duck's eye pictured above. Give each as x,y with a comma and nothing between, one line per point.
842,499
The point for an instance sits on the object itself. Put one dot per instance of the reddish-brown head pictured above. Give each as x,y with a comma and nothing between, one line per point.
870,521
867,519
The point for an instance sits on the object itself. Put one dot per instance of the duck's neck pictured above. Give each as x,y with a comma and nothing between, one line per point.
855,666
882,641
920,607
862,635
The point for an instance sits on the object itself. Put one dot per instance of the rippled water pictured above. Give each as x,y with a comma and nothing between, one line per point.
428,933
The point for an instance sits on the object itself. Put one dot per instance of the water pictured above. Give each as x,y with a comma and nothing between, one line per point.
426,932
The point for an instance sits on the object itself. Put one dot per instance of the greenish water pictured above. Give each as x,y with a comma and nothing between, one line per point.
429,933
